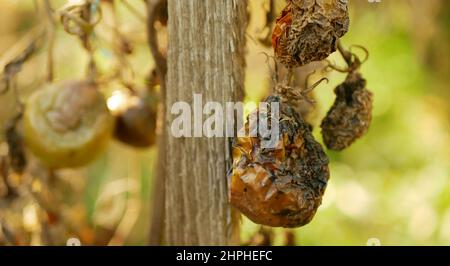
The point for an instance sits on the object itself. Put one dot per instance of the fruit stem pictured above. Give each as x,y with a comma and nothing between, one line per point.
345,54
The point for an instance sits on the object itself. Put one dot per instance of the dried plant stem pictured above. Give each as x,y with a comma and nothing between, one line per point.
87,41
17,98
84,16
123,70
345,54
51,40
161,62
270,16
158,202
22,45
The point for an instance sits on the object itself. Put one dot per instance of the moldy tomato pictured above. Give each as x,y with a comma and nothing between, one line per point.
308,30
282,186
67,124
350,116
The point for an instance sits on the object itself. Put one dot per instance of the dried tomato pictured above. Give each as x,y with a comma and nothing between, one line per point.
281,186
350,116
136,125
282,25
308,30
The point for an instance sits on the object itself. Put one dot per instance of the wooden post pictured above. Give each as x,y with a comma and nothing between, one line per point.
205,56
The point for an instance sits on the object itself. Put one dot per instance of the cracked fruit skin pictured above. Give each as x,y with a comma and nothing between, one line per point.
67,125
282,186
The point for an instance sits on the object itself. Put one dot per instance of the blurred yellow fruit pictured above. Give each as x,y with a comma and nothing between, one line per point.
68,124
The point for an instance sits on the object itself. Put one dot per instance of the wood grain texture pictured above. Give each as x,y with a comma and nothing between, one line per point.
206,55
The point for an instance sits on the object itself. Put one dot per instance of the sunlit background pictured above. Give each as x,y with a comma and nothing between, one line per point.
393,185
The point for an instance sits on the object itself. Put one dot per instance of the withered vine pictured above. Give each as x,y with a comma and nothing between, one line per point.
67,124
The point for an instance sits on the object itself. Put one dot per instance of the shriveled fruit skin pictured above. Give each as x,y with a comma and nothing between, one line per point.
312,32
351,114
283,186
136,126
67,124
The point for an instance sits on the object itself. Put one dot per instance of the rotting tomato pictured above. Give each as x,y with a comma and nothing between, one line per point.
308,30
282,186
136,125
67,124
282,25
350,116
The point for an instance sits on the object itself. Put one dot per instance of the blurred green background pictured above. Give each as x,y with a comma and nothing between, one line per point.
392,185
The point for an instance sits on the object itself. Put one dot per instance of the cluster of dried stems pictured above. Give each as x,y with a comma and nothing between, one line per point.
35,184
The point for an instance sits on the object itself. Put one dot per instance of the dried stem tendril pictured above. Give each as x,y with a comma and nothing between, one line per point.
293,95
80,20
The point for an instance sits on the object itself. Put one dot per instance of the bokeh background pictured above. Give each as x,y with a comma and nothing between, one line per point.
392,185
